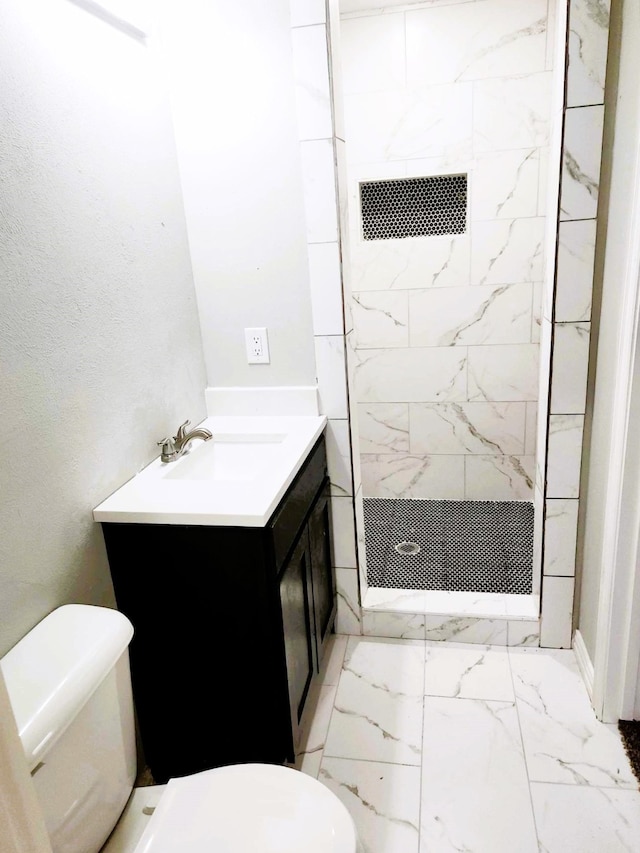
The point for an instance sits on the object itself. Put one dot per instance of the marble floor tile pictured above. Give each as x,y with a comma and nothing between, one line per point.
378,708
383,799
586,820
563,740
467,672
475,793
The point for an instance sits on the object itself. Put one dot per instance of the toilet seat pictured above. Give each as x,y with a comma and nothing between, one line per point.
249,808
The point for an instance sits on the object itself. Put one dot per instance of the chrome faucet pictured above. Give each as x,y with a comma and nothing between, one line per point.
173,448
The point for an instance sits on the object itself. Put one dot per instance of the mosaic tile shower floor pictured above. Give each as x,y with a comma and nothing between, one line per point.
475,546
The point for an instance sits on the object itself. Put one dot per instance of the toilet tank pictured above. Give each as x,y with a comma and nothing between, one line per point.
70,690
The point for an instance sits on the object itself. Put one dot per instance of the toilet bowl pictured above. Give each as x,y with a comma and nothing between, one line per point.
70,690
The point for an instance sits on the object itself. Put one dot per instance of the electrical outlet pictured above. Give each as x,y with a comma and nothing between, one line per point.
257,346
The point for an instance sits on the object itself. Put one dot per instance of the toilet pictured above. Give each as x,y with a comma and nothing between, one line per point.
70,690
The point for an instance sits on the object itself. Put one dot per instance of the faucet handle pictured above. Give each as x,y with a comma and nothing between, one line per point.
182,431
169,451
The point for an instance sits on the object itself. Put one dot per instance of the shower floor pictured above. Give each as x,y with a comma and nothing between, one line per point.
472,546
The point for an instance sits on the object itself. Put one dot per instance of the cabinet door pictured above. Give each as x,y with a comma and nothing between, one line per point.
297,622
324,597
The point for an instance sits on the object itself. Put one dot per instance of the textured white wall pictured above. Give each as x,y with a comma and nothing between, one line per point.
100,349
233,99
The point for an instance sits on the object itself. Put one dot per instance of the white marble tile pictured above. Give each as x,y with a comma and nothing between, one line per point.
348,618
339,457
564,456
504,184
383,800
466,629
480,604
396,600
314,728
336,61
331,373
373,53
411,375
563,740
588,38
545,197
404,475
538,534
531,429
569,366
522,632
361,544
331,666
311,77
557,612
467,672
476,314
576,253
326,288
536,311
512,112
581,162
318,184
503,373
499,478
306,12
404,626
408,264
485,428
475,792
383,427
381,318
507,251
343,532
496,38
402,124
378,710
560,533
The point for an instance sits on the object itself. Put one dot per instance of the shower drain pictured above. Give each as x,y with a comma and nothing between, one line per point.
407,548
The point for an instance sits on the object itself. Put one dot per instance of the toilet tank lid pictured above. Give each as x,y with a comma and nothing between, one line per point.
55,669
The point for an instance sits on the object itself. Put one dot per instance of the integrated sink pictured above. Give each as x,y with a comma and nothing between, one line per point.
236,478
228,458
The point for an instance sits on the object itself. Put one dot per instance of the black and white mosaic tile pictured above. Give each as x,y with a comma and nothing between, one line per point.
471,546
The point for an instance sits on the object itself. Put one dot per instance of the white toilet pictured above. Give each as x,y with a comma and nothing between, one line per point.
70,690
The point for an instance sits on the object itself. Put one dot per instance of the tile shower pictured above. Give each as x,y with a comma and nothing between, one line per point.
451,337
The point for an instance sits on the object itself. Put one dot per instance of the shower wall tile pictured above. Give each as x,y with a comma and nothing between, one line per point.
503,373
305,12
499,478
564,456
538,534
381,319
468,428
561,525
361,544
504,185
531,429
574,281
343,532
339,457
480,314
373,51
536,311
466,629
318,185
557,612
581,162
331,374
411,375
408,264
497,38
311,77
544,380
588,38
410,476
507,251
348,616
336,56
326,288
403,124
511,112
569,365
383,427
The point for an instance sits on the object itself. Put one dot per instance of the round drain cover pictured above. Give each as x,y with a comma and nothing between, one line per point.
407,548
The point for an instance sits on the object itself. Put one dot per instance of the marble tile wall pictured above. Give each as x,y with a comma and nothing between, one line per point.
446,329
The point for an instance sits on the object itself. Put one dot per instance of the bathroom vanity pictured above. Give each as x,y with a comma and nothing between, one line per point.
230,619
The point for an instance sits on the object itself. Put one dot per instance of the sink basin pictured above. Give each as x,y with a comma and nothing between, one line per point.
228,458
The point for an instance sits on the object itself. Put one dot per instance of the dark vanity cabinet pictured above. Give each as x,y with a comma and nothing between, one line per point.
230,624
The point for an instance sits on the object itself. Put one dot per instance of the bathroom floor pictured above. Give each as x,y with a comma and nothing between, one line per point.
476,546
451,747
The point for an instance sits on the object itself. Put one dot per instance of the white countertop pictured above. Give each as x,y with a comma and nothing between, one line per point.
269,453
